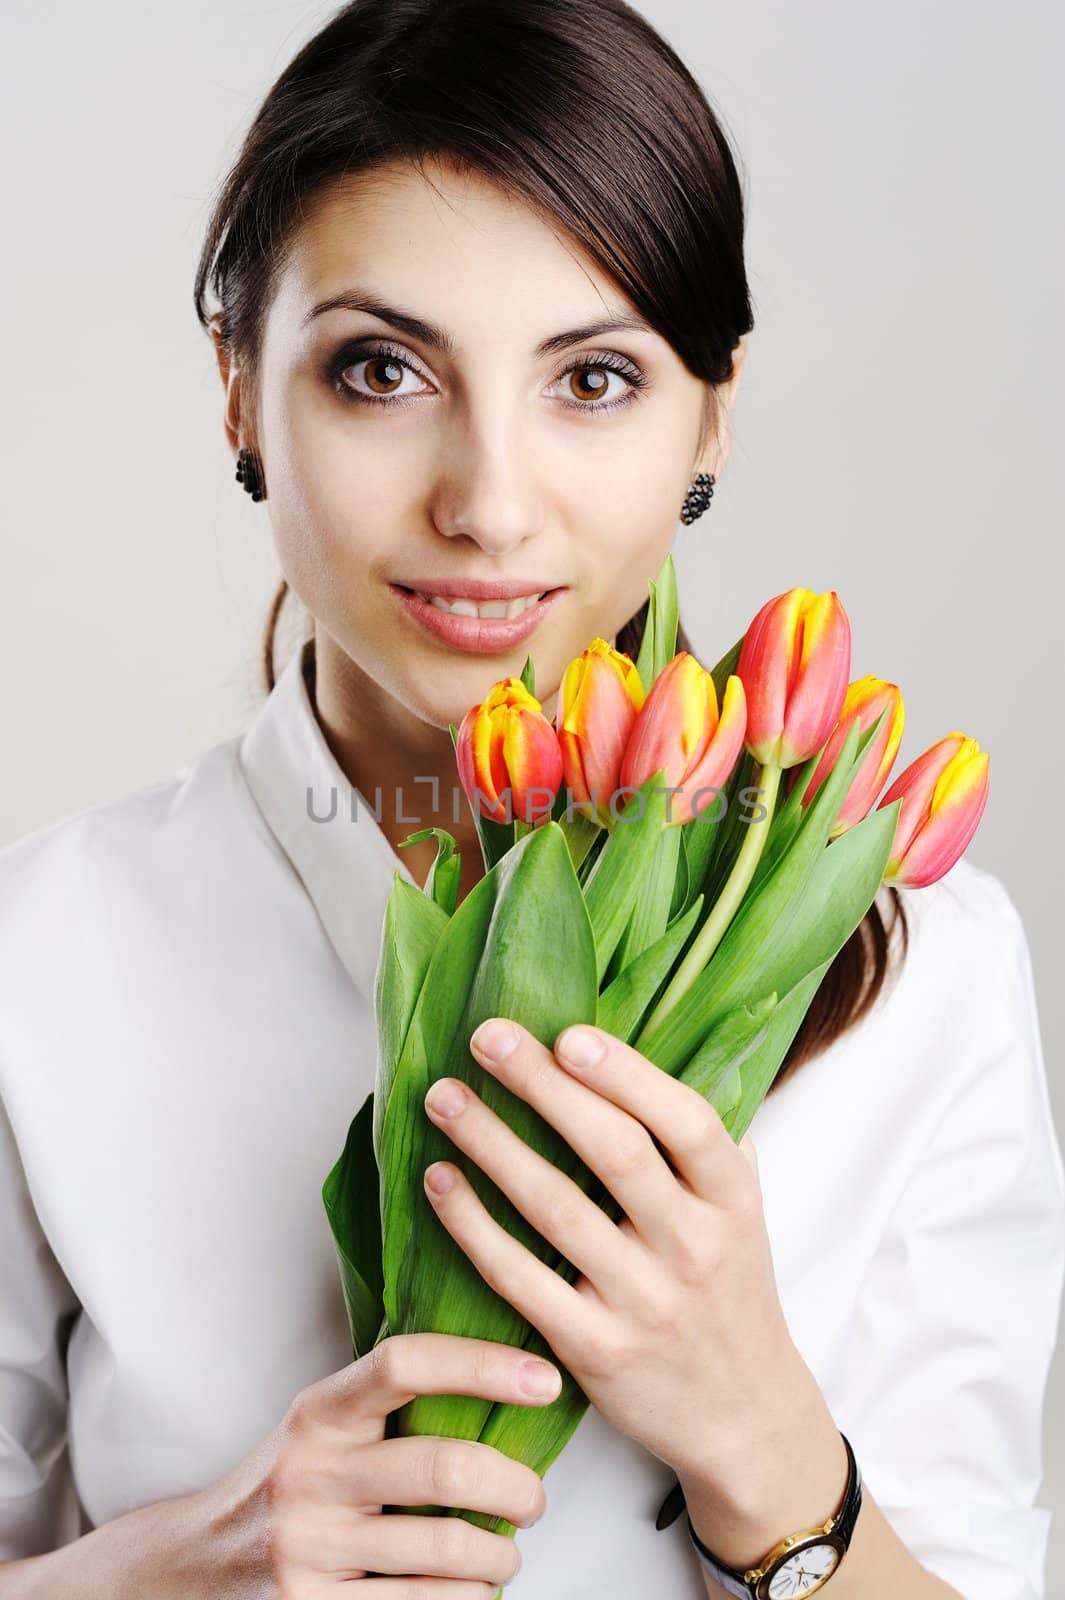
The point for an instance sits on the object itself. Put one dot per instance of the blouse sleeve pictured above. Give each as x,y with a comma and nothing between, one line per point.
37,1308
955,1324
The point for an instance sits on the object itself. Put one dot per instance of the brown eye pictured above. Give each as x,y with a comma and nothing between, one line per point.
383,374
589,383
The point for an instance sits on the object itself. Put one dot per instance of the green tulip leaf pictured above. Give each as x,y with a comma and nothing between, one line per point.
757,950
791,815
716,1069
654,897
413,923
523,949
760,1069
442,880
349,1194
624,864
659,643
437,1012
625,1000
697,840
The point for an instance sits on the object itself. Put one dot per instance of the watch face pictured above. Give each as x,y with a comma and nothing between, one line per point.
804,1572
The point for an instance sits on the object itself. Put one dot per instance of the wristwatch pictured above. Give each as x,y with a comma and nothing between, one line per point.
799,1565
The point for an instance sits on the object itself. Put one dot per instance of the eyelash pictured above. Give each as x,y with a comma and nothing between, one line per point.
361,351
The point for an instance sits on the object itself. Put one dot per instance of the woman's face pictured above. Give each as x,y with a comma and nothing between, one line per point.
466,432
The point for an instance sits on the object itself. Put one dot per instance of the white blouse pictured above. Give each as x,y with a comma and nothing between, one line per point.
186,1030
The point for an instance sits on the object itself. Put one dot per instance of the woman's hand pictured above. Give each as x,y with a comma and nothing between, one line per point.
300,1515
675,1330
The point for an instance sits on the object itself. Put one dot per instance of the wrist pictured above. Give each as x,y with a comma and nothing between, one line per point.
790,1473
145,1554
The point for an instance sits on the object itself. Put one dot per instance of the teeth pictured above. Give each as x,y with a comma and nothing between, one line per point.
486,608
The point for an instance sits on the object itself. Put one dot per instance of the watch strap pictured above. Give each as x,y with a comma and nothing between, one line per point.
727,1578
733,1580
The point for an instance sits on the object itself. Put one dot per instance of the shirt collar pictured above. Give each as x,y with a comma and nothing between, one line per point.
323,823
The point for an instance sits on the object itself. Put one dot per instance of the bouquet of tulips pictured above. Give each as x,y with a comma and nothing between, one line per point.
627,885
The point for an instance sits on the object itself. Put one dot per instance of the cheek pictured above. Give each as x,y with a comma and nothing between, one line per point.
621,548
624,500
333,501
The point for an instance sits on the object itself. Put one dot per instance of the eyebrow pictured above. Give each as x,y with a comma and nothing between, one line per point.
438,338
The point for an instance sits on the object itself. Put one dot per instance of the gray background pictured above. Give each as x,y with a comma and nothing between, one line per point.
898,431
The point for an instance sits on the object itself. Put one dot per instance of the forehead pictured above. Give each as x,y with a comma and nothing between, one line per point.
454,245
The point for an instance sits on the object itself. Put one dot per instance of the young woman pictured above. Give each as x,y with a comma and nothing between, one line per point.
480,316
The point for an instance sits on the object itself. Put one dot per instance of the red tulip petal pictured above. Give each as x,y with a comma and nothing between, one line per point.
573,766
879,756
671,725
956,812
768,658
653,740
819,682
533,759
719,758
498,769
916,786
608,715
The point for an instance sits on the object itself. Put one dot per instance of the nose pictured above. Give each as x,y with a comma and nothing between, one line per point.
485,493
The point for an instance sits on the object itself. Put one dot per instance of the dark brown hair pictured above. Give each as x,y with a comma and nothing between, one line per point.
583,111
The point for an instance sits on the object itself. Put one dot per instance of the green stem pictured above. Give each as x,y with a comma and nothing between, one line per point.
725,906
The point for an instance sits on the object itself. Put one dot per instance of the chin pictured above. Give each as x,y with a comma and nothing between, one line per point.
452,698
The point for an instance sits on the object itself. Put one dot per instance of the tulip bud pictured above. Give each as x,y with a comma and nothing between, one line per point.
599,697
864,701
943,796
678,728
794,661
506,743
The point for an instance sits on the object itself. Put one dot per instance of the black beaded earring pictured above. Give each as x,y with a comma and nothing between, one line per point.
698,497
250,474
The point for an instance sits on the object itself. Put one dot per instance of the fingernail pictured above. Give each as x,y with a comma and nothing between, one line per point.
440,1177
494,1039
581,1047
538,1377
446,1098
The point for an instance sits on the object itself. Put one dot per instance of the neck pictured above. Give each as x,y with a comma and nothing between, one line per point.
381,746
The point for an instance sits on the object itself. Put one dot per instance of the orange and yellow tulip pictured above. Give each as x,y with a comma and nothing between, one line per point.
679,729
598,701
795,662
504,743
943,796
864,701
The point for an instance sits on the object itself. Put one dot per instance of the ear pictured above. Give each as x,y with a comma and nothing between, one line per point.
230,375
716,455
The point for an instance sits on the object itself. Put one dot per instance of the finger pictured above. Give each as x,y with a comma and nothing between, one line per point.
438,1546
616,1146
556,1206
463,1473
423,1588
543,1297
682,1120
408,1364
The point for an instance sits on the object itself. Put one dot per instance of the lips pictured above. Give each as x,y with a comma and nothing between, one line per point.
480,635
477,588
497,610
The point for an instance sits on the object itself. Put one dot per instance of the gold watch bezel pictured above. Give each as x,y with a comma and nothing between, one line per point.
825,1533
